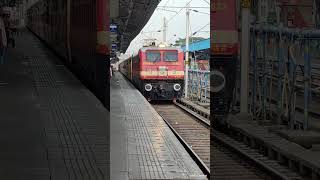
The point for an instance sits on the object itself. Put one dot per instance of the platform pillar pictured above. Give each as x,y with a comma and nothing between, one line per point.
114,9
245,55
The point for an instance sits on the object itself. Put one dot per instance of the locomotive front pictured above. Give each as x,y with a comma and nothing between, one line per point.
161,72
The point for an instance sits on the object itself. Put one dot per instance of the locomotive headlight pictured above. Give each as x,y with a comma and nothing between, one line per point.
177,87
219,81
148,87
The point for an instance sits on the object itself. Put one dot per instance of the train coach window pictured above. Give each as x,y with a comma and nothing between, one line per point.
153,56
170,56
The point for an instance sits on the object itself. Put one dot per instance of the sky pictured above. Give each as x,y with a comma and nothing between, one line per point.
177,24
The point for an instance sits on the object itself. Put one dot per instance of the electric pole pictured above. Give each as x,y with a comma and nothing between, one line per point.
187,54
164,30
315,13
278,9
245,54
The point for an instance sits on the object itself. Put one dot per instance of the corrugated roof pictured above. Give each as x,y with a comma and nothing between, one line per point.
199,45
133,16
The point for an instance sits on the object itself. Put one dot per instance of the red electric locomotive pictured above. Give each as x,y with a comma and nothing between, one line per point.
158,72
224,56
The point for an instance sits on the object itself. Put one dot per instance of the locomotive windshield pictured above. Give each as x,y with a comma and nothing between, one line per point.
170,56
153,56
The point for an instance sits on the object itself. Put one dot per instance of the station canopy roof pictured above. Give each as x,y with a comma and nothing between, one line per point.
133,16
198,46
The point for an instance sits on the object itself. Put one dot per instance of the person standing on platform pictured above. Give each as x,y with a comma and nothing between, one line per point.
9,30
3,38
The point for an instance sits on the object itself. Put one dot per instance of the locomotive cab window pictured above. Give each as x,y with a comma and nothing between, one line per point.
153,56
170,56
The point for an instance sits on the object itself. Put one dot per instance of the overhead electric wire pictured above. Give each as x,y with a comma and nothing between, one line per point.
183,7
200,29
165,5
206,1
199,11
167,10
178,11
190,36
156,8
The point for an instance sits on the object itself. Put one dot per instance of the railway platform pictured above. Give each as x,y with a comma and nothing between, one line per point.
52,127
142,144
267,140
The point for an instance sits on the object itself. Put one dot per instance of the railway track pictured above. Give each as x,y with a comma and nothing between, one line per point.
228,164
233,159
195,134
253,159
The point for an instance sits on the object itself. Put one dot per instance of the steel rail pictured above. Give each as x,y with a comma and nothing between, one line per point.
193,155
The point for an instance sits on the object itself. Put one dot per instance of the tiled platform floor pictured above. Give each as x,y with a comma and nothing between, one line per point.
51,126
142,145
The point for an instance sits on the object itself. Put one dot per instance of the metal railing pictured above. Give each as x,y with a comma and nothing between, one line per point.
199,85
283,66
